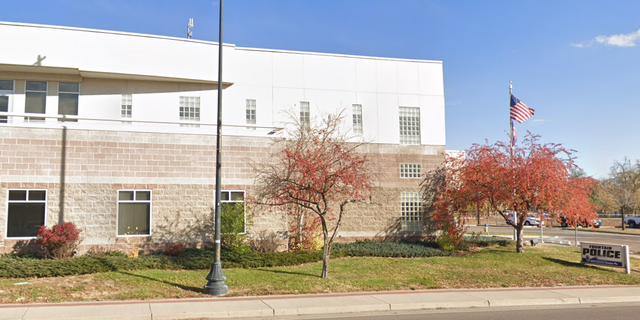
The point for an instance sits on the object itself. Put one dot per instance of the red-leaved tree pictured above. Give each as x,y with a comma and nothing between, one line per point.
517,180
316,169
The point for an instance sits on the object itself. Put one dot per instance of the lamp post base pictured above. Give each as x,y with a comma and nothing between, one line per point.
216,285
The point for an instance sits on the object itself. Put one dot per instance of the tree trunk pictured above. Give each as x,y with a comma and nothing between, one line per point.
622,214
520,239
326,251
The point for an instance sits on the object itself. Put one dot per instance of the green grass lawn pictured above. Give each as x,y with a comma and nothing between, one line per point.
490,268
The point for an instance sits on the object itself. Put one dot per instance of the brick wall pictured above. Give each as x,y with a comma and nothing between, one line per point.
180,171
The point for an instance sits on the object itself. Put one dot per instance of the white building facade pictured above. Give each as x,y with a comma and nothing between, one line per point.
116,131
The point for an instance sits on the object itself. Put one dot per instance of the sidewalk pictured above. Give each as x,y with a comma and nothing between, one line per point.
270,306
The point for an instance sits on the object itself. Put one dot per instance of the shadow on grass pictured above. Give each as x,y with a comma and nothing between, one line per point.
289,272
183,287
564,262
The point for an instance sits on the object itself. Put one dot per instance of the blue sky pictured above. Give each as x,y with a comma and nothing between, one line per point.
575,62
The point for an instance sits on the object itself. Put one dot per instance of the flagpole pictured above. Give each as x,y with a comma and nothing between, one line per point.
515,214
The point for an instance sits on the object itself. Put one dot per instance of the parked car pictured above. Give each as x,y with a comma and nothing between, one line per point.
532,220
632,222
582,223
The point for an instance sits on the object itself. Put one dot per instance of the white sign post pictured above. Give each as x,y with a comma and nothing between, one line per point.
611,255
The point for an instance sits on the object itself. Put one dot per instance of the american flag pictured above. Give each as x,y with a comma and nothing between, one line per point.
519,111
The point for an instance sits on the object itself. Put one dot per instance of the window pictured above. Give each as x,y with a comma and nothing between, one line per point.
305,114
357,118
126,106
232,213
409,125
26,212
251,111
410,207
6,93
35,99
190,110
410,170
134,212
68,95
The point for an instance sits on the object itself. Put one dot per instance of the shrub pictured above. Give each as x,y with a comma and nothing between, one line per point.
174,250
266,241
232,227
390,249
60,241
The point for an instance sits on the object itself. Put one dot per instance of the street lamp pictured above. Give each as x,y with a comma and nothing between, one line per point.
216,285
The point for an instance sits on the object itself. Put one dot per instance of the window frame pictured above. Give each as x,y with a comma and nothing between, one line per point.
409,125
188,112
231,200
118,202
26,201
251,110
9,94
126,106
357,118
75,94
410,212
26,100
305,114
411,170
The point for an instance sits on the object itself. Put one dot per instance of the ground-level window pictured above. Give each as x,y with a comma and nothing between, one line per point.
68,97
35,99
6,94
26,212
410,205
232,212
410,170
409,125
134,212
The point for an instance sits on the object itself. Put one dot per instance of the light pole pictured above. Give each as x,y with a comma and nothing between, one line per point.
216,285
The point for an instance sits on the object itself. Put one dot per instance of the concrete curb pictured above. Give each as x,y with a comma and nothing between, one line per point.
270,306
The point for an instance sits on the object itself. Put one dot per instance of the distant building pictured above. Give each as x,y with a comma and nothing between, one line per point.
116,131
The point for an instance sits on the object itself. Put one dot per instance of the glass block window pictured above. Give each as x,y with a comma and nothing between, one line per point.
410,205
68,98
232,212
134,212
410,170
26,212
190,109
126,106
357,118
409,125
6,96
305,114
35,99
251,111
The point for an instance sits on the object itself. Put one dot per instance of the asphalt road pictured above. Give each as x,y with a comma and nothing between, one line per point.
625,311
566,234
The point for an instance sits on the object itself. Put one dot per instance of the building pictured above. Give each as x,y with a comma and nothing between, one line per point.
116,131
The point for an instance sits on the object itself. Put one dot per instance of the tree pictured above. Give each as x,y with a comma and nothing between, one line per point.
316,169
514,181
622,188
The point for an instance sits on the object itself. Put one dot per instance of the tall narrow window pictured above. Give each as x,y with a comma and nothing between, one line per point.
190,110
26,212
251,111
6,94
126,106
410,210
409,125
232,212
68,96
134,212
357,119
305,114
35,99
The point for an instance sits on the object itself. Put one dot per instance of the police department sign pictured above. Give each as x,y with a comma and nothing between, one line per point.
606,255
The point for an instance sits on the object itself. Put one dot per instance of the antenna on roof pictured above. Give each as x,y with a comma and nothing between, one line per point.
189,26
